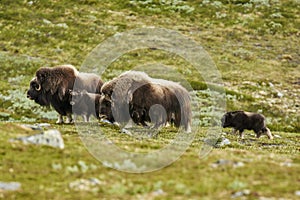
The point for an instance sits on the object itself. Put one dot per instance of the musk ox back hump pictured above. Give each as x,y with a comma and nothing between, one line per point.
87,81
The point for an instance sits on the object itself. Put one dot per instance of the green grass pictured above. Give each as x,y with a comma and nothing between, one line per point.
264,163
255,46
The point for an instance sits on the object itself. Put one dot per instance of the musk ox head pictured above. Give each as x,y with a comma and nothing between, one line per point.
36,93
227,119
56,80
75,97
105,108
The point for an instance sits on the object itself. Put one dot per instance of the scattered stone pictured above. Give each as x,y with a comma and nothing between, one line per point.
224,142
85,184
72,169
43,125
220,142
9,186
224,162
238,194
30,3
220,162
62,25
46,21
83,166
287,163
125,131
271,84
279,94
238,164
287,57
50,137
263,93
35,126
56,166
158,192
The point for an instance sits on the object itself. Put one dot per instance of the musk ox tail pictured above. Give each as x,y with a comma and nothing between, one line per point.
186,112
183,112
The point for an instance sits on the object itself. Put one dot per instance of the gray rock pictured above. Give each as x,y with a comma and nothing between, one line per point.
240,193
50,137
230,163
10,186
35,126
85,184
224,142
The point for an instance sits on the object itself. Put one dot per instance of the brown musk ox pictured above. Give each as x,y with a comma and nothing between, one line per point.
113,102
84,104
241,120
134,95
50,86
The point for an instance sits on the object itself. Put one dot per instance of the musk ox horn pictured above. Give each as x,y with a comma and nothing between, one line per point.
38,88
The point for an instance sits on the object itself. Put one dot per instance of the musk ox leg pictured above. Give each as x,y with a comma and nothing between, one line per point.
258,134
168,124
85,118
75,118
241,134
158,115
188,128
267,132
69,119
233,131
60,119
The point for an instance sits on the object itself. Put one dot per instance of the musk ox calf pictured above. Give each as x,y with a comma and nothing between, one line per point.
50,86
134,95
240,120
85,104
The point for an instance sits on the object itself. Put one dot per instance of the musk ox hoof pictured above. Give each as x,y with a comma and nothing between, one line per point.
269,134
188,129
60,120
69,121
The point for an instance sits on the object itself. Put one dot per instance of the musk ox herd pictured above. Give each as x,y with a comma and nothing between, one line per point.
132,96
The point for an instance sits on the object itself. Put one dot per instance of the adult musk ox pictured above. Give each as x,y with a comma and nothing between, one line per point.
50,86
241,120
137,96
84,103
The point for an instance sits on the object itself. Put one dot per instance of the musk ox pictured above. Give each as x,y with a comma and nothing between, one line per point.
241,120
134,95
114,103
84,104
50,86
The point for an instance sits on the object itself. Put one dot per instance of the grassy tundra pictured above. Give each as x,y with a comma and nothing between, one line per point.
254,44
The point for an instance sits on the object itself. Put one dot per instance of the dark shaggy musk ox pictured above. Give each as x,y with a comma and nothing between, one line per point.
241,120
85,104
134,95
50,86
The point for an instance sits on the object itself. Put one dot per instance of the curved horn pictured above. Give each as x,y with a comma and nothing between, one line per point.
38,88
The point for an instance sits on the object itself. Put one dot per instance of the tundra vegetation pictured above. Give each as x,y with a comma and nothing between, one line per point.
254,44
